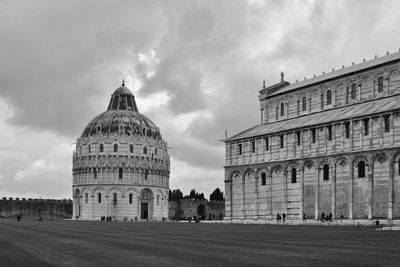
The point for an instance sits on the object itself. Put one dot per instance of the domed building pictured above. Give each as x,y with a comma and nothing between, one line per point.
121,165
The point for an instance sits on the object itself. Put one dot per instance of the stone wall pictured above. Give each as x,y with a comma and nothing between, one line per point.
186,208
35,209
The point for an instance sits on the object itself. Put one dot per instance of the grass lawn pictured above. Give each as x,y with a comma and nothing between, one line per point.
71,243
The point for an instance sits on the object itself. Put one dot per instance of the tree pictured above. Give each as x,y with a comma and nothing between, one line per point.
217,194
194,195
175,195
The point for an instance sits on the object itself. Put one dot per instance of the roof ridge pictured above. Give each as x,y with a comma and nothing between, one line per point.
388,57
248,129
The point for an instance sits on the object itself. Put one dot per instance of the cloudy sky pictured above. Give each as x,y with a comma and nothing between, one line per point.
195,68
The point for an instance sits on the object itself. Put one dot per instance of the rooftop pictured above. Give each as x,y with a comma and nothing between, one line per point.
329,116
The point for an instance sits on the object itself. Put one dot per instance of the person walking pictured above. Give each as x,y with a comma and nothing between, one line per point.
283,217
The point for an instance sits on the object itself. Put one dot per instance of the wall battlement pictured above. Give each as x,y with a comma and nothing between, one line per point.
35,209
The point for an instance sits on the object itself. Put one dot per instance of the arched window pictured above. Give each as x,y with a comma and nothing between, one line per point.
328,97
294,175
146,174
326,172
353,91
89,149
304,103
144,150
361,169
101,148
158,200
99,198
115,198
120,173
263,178
380,84
115,147
86,198
398,166
131,148
282,109
155,151
95,173
130,198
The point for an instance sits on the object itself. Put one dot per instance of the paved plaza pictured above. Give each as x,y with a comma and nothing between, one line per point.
77,243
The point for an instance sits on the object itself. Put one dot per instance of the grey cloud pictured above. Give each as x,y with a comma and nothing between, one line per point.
61,57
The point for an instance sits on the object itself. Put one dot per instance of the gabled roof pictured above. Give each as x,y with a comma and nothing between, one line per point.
340,72
329,116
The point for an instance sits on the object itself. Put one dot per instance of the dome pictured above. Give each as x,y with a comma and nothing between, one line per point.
120,165
122,117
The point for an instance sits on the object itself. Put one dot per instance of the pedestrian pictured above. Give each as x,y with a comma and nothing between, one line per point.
330,216
322,216
304,217
341,217
283,217
278,217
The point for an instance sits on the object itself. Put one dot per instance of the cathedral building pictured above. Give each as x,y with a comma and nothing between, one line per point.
121,165
329,144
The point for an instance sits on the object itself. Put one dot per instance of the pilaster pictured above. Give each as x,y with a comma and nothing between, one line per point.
391,191
334,191
370,190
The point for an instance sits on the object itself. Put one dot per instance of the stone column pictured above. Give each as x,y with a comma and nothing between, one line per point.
370,189
301,193
318,171
334,191
391,193
269,176
386,81
244,196
285,190
138,208
123,205
343,136
351,191
335,98
391,120
371,132
107,203
351,135
257,198
92,199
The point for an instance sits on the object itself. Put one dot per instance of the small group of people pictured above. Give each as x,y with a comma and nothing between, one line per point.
107,219
280,218
326,218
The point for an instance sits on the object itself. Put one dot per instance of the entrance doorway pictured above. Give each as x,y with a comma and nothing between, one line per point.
201,211
144,211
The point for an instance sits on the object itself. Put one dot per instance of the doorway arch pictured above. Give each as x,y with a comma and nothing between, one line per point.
201,211
146,204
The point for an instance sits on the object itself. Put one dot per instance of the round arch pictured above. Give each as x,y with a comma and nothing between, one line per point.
359,158
146,204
